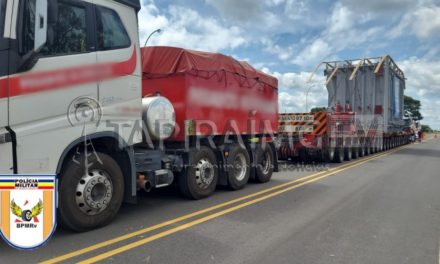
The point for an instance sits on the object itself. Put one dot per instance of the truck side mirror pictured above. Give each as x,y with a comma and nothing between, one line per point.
40,24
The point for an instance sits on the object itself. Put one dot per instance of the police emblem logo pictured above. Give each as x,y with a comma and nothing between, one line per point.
27,209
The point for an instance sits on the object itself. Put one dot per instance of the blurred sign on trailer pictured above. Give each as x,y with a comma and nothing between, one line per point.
296,129
303,123
297,118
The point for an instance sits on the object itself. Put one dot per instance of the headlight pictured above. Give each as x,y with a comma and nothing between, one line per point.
159,116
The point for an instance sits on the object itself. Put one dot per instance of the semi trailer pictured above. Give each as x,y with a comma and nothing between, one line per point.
364,114
80,99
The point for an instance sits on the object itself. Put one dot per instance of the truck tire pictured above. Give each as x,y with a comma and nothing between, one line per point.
90,200
201,177
347,154
373,149
339,155
367,150
361,151
330,154
354,153
304,155
238,167
264,164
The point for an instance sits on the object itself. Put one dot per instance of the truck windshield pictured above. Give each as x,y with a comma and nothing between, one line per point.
2,17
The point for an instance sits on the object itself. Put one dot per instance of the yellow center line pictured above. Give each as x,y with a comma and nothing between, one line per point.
169,222
223,212
197,213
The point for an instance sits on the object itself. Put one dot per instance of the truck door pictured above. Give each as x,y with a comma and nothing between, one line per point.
52,71
42,90
118,44
6,154
4,54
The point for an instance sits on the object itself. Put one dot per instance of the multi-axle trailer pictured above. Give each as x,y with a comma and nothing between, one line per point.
365,114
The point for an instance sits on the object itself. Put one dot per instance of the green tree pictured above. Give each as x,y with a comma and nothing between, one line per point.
318,109
426,129
413,106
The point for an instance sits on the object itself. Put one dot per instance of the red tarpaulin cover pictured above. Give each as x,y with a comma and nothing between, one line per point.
158,62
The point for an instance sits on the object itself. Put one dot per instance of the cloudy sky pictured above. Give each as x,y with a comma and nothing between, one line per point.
288,38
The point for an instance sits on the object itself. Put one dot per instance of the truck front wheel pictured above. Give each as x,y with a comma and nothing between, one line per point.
90,197
201,176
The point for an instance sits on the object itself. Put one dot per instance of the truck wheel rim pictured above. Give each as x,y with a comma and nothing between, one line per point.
265,163
94,192
240,167
204,173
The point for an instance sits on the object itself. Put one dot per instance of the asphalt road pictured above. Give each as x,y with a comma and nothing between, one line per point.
381,209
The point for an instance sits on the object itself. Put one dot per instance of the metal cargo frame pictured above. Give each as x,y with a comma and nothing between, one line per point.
364,115
372,87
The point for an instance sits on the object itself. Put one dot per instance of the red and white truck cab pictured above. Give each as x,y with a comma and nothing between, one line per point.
72,104
60,54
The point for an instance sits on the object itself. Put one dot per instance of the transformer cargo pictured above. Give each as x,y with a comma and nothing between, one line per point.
372,87
364,114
